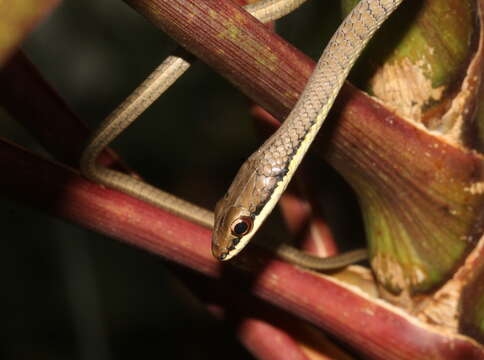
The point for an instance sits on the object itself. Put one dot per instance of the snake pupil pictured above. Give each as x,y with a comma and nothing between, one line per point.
240,228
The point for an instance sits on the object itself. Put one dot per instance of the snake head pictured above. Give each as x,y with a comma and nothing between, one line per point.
240,213
231,228
235,215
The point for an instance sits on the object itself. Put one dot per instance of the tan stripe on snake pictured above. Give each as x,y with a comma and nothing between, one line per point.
265,175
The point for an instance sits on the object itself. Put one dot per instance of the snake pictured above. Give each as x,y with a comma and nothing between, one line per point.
264,176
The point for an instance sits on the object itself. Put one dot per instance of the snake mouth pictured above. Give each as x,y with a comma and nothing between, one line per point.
223,256
219,252
223,253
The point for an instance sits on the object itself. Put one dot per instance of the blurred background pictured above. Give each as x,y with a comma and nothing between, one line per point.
69,293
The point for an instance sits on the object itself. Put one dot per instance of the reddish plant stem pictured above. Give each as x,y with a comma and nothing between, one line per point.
267,332
273,74
247,53
254,329
373,329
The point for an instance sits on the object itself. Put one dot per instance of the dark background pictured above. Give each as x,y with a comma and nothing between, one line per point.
69,293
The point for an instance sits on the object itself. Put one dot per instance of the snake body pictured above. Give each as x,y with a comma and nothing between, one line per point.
265,175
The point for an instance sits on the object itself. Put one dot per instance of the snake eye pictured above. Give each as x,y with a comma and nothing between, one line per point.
241,226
